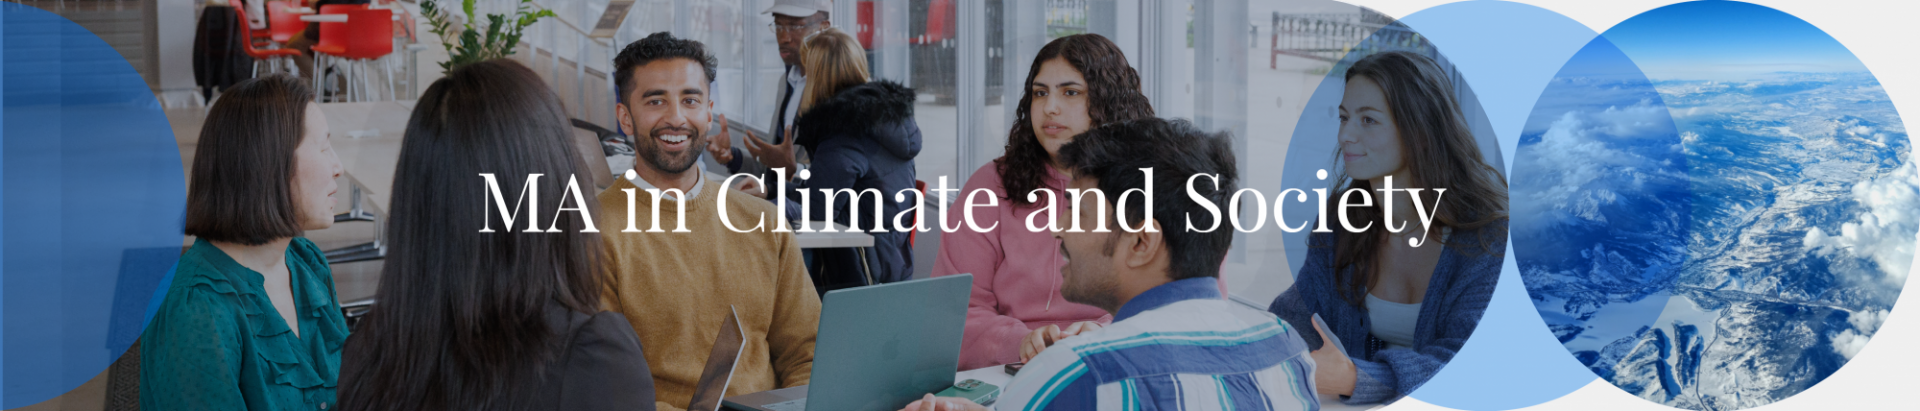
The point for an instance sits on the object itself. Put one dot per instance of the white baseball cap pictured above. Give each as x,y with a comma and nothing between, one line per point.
800,8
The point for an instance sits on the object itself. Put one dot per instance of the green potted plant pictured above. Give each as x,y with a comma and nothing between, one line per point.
476,44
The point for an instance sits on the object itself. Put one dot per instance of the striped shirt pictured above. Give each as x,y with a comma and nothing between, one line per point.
1178,346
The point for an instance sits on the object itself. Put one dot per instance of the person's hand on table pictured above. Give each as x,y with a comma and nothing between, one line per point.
721,145
1040,338
1333,371
932,403
773,155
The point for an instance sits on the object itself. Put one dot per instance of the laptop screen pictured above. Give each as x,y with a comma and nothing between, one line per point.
720,363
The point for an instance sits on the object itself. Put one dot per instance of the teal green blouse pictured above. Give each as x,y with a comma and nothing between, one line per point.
216,342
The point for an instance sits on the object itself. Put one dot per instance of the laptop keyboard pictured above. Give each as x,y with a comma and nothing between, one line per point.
795,405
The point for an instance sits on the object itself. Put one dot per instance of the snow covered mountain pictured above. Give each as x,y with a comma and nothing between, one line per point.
1765,234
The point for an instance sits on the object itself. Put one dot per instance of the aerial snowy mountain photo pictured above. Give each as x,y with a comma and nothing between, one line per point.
1714,206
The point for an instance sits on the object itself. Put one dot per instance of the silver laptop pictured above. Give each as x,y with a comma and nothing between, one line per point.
879,347
720,364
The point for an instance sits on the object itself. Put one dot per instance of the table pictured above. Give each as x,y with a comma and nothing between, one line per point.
333,18
996,375
842,237
324,18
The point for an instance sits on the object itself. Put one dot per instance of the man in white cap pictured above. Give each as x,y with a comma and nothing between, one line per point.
793,21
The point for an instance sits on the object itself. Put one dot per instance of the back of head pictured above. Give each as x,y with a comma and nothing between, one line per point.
1115,152
240,190
461,312
834,61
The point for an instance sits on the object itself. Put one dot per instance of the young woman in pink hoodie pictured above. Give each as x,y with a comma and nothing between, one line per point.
1076,83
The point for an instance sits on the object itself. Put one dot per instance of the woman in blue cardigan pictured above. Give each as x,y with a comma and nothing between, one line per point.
1400,302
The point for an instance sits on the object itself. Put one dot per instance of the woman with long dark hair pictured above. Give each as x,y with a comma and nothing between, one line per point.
251,321
1076,83
474,312
861,135
1402,302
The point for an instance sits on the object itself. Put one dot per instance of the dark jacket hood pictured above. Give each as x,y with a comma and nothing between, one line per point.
880,111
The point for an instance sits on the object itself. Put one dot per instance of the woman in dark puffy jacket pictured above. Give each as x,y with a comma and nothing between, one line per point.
861,135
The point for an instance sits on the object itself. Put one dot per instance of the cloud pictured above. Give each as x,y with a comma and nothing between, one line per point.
1885,232
1865,323
1565,161
1575,169
1643,119
1849,343
1868,321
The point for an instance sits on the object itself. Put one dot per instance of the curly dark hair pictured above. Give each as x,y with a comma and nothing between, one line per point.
1113,90
658,46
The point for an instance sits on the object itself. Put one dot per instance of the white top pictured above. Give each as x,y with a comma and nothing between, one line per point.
798,83
1393,322
698,182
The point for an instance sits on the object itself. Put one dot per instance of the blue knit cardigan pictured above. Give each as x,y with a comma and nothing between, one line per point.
1462,284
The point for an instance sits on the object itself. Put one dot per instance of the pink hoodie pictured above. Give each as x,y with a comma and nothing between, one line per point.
1016,275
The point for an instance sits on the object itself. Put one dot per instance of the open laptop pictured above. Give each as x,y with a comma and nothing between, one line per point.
720,364
879,347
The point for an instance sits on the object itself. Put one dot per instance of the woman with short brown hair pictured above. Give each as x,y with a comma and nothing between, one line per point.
251,321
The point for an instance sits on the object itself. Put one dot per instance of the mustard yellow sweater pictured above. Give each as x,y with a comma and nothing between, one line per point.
675,289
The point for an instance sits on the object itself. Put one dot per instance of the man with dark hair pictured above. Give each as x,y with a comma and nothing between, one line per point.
675,258
665,145
793,21
1174,343
657,47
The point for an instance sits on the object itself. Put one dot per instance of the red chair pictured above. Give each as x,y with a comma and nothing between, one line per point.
255,36
367,35
920,186
282,25
273,57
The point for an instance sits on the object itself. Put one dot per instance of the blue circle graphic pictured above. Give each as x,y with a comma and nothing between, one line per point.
1509,53
1602,206
1495,90
94,192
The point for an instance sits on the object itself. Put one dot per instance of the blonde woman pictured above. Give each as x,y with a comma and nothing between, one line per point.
861,135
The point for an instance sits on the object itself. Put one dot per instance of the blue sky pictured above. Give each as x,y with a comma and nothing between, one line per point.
1726,40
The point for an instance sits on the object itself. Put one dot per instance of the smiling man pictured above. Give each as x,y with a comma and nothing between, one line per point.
1174,343
675,285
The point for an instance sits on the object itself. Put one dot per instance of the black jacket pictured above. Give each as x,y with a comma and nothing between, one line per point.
863,138
594,362
219,57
